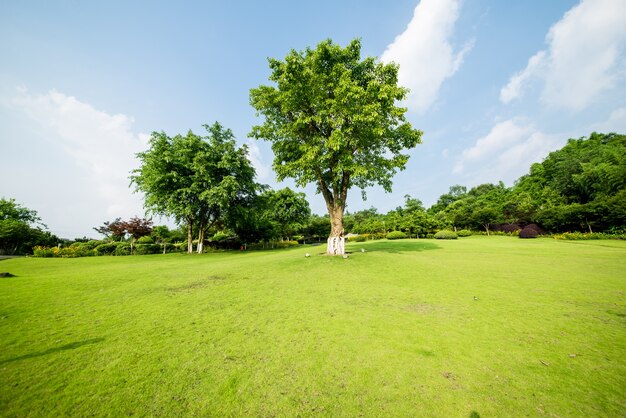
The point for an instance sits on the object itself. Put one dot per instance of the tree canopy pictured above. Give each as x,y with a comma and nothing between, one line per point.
195,179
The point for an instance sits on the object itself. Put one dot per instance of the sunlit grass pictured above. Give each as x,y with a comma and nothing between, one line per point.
493,326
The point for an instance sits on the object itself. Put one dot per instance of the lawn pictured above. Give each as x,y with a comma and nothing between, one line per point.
480,326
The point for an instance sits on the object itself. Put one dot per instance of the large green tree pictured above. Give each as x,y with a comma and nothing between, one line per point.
21,229
195,179
332,120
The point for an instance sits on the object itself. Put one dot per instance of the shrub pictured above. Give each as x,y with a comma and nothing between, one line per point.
89,245
107,248
536,228
445,234
147,239
221,236
511,228
286,244
122,248
360,238
40,251
528,232
63,252
143,249
430,236
396,235
574,236
464,233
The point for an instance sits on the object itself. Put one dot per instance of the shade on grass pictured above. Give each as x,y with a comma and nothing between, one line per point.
490,326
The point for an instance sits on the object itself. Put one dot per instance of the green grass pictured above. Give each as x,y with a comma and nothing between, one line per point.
394,331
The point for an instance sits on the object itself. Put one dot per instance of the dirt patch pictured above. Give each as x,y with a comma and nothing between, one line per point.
199,284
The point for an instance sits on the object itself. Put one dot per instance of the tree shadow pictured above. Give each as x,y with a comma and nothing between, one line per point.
70,346
395,247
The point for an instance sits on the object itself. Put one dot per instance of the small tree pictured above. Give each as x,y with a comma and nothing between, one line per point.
115,230
162,235
332,120
137,228
288,209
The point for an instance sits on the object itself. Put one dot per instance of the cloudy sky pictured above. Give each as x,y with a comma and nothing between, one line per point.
495,86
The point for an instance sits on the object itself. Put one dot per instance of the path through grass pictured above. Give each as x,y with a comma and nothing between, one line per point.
494,326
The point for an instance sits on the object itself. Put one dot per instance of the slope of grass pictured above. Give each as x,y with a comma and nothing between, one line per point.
489,326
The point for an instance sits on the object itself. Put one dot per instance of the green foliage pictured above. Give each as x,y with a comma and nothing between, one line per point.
146,239
360,238
197,180
464,233
430,236
286,244
143,249
332,120
445,234
288,209
63,252
106,248
396,235
21,229
576,236
122,248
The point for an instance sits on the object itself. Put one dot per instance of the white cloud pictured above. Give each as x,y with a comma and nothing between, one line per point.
615,123
513,90
506,152
585,56
424,52
263,171
102,146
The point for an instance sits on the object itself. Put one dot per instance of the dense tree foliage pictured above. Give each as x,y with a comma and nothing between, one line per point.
21,229
195,179
332,120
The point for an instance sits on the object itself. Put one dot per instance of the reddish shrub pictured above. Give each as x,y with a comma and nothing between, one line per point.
537,228
511,228
528,233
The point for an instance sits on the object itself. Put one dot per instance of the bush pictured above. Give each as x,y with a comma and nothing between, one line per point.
464,233
40,251
358,238
528,232
143,249
575,236
286,244
430,236
107,248
511,228
221,236
63,252
89,245
396,235
147,239
536,228
445,234
122,248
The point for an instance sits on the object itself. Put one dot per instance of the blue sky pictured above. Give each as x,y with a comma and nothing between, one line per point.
495,87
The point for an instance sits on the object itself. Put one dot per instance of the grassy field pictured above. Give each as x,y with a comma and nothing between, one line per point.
481,326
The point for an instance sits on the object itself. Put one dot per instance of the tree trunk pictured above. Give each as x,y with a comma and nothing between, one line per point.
336,240
200,246
487,229
189,237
